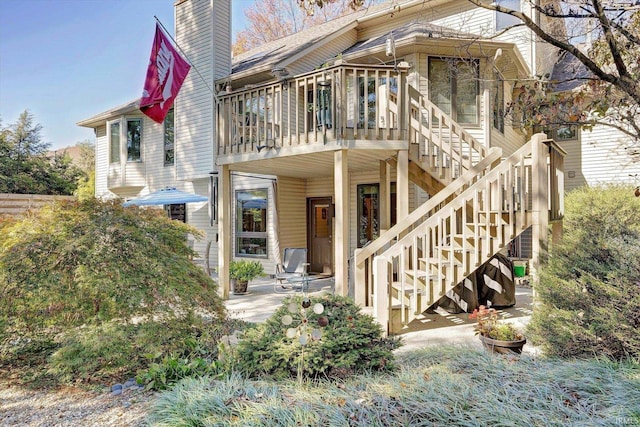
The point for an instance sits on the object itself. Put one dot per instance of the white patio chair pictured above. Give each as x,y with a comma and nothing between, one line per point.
294,265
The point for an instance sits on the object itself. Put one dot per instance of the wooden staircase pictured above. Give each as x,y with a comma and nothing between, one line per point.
482,203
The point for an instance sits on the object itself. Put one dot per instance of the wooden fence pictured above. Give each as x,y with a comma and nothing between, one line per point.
18,204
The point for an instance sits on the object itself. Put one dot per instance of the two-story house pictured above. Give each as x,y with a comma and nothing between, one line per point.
376,141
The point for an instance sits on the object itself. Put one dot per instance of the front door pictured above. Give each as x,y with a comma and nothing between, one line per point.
320,233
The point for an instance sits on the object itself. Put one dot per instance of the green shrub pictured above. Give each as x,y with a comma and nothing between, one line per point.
81,274
589,291
351,342
172,368
245,270
206,355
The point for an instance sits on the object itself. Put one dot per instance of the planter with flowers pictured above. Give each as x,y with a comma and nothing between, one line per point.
495,336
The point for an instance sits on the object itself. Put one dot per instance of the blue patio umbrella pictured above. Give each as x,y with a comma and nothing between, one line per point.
166,196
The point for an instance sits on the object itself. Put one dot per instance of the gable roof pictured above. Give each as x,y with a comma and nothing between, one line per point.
282,52
415,29
100,119
267,56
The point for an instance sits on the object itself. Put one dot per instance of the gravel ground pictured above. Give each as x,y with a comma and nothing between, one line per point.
71,407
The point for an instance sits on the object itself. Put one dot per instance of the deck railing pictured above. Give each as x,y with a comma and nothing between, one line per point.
363,260
347,102
447,150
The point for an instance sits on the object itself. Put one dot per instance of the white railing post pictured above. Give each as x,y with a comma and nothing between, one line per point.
359,281
540,203
381,297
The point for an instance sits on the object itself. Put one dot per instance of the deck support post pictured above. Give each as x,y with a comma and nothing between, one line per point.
381,303
225,225
341,221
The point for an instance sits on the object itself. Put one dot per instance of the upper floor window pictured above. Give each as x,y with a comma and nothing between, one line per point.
566,133
563,132
134,139
453,87
504,20
114,142
169,154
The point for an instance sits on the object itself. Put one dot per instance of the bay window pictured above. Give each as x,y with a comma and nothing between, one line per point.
134,139
114,142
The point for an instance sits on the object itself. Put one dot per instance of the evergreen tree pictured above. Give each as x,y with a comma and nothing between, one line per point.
24,165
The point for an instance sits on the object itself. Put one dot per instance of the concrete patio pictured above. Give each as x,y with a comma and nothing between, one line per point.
438,328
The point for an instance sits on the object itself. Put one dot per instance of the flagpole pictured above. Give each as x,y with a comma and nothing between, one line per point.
187,58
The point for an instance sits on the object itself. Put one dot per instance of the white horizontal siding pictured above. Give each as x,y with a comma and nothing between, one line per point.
198,217
194,104
573,177
464,17
603,158
292,213
511,139
157,174
323,54
522,38
102,162
222,38
320,187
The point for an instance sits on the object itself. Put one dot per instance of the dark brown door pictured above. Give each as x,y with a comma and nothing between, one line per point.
320,235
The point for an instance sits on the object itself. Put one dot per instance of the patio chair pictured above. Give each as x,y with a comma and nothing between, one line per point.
294,264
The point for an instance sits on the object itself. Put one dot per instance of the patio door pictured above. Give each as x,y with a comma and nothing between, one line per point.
320,234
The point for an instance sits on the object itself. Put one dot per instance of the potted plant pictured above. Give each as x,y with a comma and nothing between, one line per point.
495,336
243,271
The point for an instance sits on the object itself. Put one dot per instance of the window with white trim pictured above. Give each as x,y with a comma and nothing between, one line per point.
114,142
454,88
134,140
251,222
565,132
169,153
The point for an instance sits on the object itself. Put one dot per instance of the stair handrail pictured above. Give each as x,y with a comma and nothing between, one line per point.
428,105
382,263
515,158
418,214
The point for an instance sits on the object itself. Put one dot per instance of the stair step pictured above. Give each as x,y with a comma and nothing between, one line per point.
408,288
454,249
436,261
420,273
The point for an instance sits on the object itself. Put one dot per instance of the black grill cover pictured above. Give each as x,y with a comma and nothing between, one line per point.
490,285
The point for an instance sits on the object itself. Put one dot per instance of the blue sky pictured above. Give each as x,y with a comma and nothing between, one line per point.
67,60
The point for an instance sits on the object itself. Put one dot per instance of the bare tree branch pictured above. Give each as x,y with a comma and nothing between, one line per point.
623,82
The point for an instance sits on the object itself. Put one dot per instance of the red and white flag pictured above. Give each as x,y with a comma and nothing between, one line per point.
165,75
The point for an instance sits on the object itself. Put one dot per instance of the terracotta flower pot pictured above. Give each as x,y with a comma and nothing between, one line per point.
502,347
